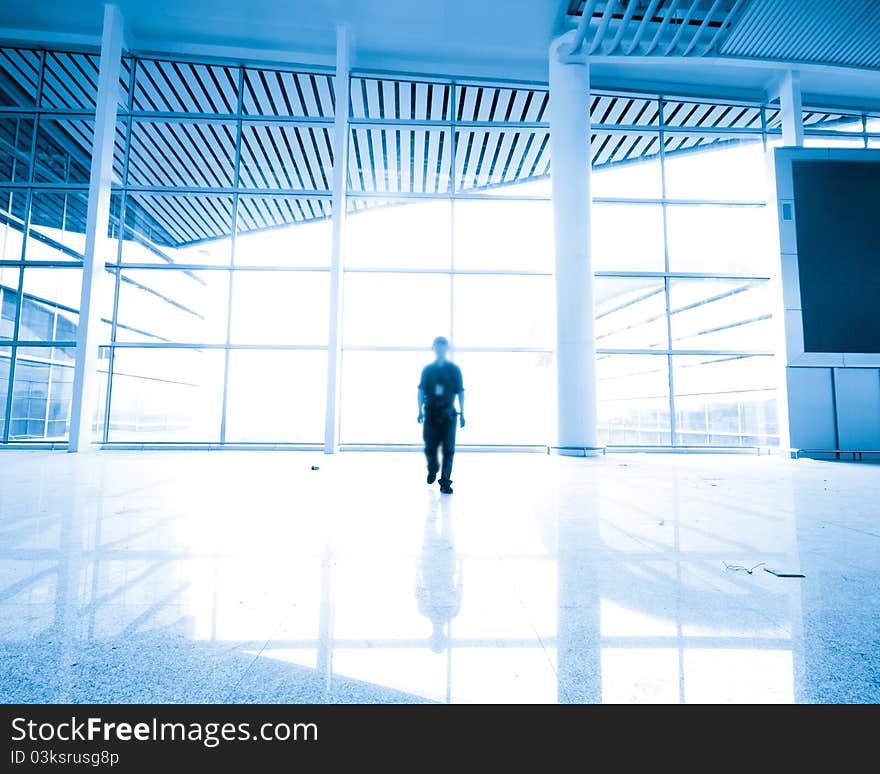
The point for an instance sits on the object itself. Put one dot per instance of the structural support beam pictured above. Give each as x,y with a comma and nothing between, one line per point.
85,378
791,107
337,262
570,178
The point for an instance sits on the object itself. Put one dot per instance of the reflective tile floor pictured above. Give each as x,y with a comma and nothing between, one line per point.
249,577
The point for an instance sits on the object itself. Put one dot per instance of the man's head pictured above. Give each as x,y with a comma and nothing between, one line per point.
441,348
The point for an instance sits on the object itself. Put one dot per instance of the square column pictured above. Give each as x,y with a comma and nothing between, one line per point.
85,376
341,85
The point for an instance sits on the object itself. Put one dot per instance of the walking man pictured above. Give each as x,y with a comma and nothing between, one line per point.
440,384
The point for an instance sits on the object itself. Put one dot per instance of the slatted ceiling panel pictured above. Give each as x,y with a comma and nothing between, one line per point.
487,103
840,32
181,154
280,93
285,156
659,27
833,121
70,81
400,159
63,150
19,76
172,219
181,87
372,98
124,85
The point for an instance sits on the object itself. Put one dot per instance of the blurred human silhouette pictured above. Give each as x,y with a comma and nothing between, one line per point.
439,575
441,382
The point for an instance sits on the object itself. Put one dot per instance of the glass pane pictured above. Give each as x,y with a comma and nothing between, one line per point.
715,167
5,357
627,237
286,156
166,395
626,166
50,307
402,234
873,123
70,81
280,93
496,158
64,150
19,76
725,401
511,235
633,400
830,141
270,307
41,394
9,279
381,410
630,313
617,109
874,142
374,98
708,238
721,314
167,305
508,397
395,309
503,311
283,231
13,205
831,122
389,160
178,228
711,115
197,154
58,226
276,396
184,87
16,136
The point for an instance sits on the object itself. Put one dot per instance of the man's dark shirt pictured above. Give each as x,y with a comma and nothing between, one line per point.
440,383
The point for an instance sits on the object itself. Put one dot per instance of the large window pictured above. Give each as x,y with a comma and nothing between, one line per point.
446,236
46,134
215,302
221,274
682,247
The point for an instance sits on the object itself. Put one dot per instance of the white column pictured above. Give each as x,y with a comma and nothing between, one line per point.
94,283
791,107
570,178
340,169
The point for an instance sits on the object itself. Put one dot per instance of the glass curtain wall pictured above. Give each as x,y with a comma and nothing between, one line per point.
47,111
221,256
683,253
448,232
215,305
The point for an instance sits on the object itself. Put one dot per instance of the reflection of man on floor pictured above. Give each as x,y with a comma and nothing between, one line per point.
440,384
438,580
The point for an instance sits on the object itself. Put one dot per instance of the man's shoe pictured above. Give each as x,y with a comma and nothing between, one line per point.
445,487
432,477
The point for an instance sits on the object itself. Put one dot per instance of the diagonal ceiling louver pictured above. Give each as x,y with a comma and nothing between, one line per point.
654,27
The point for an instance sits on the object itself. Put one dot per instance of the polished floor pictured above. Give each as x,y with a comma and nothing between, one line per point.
250,577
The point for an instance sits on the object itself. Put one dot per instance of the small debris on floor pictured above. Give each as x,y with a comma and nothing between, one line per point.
780,574
315,467
741,567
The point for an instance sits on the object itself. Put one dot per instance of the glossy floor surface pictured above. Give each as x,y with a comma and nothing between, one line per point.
248,576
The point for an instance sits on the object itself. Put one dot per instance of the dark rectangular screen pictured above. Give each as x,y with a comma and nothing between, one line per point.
837,214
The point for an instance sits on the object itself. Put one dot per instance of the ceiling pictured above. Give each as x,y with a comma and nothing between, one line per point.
699,45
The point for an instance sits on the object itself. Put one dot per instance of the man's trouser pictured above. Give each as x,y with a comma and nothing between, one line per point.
439,432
